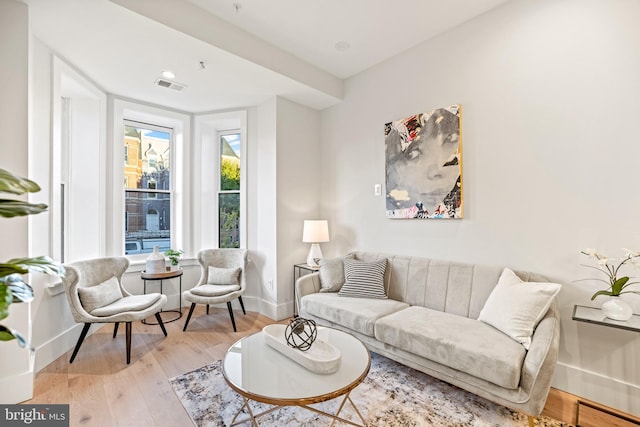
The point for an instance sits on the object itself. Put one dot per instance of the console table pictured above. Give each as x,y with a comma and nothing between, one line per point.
169,274
298,270
582,313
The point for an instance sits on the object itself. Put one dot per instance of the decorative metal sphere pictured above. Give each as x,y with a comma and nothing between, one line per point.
301,333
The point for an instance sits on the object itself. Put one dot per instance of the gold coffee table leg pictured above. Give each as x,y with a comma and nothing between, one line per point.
336,417
252,417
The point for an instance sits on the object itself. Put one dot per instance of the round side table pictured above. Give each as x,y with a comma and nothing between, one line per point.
169,274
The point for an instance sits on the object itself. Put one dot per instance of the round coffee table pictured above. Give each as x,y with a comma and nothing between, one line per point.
258,372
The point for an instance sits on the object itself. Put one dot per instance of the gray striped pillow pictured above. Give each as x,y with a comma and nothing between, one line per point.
364,279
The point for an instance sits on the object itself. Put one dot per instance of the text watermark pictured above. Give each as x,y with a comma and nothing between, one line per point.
34,415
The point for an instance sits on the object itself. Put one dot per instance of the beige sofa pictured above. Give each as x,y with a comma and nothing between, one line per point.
429,322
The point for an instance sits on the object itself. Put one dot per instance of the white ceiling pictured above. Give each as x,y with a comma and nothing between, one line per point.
265,48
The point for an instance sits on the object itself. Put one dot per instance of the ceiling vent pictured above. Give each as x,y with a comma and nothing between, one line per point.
170,85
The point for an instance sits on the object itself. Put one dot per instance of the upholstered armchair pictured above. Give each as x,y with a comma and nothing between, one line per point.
222,279
96,295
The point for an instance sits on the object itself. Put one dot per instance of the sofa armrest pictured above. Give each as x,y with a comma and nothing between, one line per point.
305,285
540,361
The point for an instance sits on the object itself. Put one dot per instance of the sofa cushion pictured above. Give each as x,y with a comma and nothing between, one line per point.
357,314
364,279
332,273
515,307
99,295
458,342
133,303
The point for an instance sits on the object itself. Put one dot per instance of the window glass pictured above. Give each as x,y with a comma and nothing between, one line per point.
147,182
229,195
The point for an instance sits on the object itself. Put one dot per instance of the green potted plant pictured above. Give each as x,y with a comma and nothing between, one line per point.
13,288
174,257
617,284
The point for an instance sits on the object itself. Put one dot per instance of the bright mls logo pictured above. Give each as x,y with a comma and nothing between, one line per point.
34,415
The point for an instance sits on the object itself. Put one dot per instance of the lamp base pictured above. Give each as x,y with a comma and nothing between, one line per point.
315,253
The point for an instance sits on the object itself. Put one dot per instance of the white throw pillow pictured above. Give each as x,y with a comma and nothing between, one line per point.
100,295
332,273
364,279
515,307
223,276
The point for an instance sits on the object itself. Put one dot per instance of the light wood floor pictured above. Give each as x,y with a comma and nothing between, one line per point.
103,390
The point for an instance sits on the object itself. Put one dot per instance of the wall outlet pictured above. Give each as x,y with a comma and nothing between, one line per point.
269,284
377,190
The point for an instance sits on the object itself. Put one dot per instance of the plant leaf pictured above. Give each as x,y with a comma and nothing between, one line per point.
618,285
11,208
10,183
8,269
628,284
42,264
609,293
6,298
20,290
7,334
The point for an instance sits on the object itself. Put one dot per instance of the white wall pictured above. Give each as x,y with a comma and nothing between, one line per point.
16,370
549,91
298,170
283,194
265,206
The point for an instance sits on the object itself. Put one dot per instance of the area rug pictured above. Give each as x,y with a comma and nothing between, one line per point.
391,395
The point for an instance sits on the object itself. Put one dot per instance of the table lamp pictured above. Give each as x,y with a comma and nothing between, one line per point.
315,232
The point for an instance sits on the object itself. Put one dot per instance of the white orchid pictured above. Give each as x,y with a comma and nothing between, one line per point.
631,253
617,285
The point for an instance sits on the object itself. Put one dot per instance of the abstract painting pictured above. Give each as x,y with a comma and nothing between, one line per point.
423,159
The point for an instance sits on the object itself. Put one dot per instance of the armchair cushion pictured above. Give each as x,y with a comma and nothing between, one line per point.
131,303
100,295
223,276
214,290
515,307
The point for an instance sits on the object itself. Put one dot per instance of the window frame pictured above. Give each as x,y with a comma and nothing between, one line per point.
220,192
151,192
206,185
180,177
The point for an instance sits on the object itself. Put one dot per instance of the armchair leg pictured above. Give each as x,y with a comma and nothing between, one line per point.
193,305
207,308
242,305
83,334
233,321
159,319
115,328
128,329
531,421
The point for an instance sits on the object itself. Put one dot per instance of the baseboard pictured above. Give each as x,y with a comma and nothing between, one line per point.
596,387
63,342
17,388
273,311
60,344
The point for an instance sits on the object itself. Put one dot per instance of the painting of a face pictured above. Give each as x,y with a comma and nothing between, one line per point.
424,165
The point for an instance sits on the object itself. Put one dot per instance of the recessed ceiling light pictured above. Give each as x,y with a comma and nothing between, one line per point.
168,74
342,46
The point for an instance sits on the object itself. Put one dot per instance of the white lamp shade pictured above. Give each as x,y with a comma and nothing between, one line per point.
315,231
